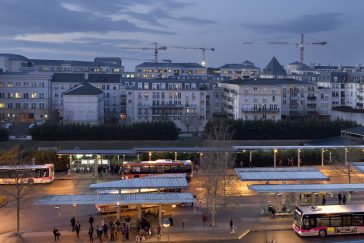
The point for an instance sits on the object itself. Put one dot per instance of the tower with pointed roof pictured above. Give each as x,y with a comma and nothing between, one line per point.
274,70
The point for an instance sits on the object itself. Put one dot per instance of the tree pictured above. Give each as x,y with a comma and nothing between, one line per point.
19,190
190,120
214,165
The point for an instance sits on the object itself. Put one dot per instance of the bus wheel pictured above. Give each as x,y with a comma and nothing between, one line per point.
31,181
322,233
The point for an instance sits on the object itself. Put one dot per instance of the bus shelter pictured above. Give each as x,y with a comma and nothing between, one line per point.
298,190
118,199
359,166
280,174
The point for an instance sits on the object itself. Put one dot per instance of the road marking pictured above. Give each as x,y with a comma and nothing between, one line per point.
244,234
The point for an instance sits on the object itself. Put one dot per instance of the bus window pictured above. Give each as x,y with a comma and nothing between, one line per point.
167,168
308,223
152,169
335,221
135,169
357,220
322,222
127,169
346,220
159,169
174,168
145,169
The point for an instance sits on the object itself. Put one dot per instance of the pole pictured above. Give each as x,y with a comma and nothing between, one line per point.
70,168
118,212
299,157
330,158
139,211
96,166
346,156
250,158
322,157
302,49
175,156
275,157
159,214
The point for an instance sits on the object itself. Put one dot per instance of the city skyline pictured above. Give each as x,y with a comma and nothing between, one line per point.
81,30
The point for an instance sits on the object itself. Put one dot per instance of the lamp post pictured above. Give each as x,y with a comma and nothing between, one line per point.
166,224
299,157
275,157
150,156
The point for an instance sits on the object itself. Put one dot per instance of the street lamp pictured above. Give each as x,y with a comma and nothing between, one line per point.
166,224
150,156
275,157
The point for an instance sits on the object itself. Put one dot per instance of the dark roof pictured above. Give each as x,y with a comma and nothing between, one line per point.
14,56
44,62
244,65
83,89
355,130
164,64
114,60
333,141
296,63
274,68
326,67
264,81
80,77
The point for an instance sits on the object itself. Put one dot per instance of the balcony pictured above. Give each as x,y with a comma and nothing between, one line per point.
261,110
311,97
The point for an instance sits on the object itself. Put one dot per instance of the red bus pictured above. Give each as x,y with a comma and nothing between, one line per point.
161,166
329,220
26,174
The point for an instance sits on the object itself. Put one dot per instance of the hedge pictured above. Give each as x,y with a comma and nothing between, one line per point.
4,134
137,131
309,128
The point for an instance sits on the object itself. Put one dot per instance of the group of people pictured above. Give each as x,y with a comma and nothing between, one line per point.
341,199
104,230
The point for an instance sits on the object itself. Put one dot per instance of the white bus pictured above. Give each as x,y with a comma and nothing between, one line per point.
26,174
329,220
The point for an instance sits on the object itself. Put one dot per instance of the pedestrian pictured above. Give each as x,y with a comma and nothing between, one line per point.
273,213
105,229
99,232
339,197
77,228
159,230
232,226
112,231
56,234
204,219
91,221
323,200
91,233
344,199
73,223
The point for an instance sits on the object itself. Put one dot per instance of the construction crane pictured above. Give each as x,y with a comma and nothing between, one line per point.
156,49
203,48
301,45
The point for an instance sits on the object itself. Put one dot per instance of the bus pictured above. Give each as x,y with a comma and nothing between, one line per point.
26,174
160,166
329,220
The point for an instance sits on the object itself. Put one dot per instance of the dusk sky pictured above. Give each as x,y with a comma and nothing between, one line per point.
84,29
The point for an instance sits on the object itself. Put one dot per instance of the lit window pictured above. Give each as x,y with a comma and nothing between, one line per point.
34,95
2,105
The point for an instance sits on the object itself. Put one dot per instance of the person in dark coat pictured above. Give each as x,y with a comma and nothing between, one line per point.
91,233
339,197
91,221
231,226
344,199
73,223
56,234
78,228
323,200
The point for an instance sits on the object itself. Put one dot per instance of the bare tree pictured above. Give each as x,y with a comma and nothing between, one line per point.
17,189
190,120
214,164
348,155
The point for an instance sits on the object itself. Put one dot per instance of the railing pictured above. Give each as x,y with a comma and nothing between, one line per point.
263,110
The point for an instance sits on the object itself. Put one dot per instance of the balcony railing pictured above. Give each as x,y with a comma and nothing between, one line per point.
263,110
311,97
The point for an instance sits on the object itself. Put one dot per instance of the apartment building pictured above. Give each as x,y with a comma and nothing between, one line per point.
148,70
25,97
12,62
272,99
246,69
189,103
109,84
83,104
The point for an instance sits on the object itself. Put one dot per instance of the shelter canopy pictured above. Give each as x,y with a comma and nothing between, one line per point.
281,188
121,199
279,174
359,166
148,182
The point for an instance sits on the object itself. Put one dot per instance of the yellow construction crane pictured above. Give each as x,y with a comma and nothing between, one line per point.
157,47
203,49
301,45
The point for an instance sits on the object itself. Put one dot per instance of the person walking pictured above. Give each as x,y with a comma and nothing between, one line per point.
344,199
77,228
232,226
56,234
112,231
99,232
73,223
91,221
105,229
340,198
91,233
323,200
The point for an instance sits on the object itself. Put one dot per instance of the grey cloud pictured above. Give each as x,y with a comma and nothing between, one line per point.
310,23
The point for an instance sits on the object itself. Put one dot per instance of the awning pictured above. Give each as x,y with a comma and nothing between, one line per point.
281,188
359,166
280,174
122,199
